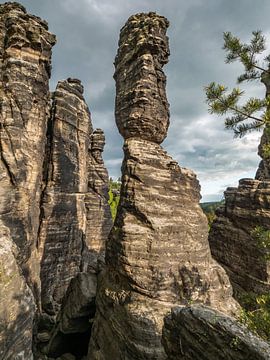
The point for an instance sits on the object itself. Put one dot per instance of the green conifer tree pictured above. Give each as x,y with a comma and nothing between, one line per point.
255,113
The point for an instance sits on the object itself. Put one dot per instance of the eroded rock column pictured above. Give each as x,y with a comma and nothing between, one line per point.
25,65
75,222
158,254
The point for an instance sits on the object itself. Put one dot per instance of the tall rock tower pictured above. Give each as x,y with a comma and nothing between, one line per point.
158,254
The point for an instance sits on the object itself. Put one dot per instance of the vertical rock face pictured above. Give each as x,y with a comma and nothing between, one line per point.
17,304
76,191
158,254
200,333
25,63
141,107
231,240
54,216
25,58
98,215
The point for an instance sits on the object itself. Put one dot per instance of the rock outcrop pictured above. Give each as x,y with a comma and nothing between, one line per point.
17,304
75,212
246,208
231,237
157,254
53,193
25,64
74,203
201,333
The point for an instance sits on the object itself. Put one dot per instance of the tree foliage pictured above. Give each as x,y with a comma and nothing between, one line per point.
255,113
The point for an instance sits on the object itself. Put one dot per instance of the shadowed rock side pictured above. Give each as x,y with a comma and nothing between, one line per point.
75,214
98,214
200,333
62,232
17,304
157,254
25,63
230,236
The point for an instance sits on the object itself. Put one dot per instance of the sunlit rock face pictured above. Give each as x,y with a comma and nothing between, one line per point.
25,64
157,254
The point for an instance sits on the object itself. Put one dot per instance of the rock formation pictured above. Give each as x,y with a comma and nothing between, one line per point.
25,63
246,207
17,307
75,197
157,254
75,212
231,239
201,333
54,215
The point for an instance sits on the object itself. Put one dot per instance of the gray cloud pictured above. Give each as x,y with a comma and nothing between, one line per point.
87,32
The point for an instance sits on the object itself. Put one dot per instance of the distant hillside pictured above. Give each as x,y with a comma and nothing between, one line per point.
209,209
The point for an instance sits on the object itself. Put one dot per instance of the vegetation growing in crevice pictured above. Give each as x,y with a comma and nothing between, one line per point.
256,307
256,314
114,196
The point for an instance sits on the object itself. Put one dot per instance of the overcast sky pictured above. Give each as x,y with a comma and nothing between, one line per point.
87,32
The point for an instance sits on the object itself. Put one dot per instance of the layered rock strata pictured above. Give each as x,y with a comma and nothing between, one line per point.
53,190
17,304
157,254
201,333
25,64
75,213
246,208
141,106
231,237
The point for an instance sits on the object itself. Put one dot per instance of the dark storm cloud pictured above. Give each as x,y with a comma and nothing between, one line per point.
87,33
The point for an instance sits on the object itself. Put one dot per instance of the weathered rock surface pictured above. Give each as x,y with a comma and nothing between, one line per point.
53,186
78,308
25,63
157,254
17,304
141,107
201,333
76,217
231,240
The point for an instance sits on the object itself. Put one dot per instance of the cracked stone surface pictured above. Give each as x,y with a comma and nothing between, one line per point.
157,255
53,183
141,106
76,216
201,333
231,240
25,63
17,304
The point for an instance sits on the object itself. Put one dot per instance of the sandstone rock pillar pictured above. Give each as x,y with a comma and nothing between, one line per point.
158,254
